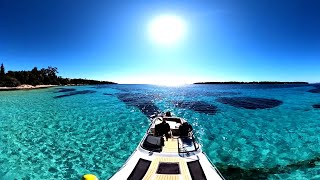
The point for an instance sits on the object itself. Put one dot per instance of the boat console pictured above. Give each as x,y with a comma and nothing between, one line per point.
176,143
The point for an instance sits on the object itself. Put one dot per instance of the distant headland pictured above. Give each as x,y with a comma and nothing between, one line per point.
253,82
34,79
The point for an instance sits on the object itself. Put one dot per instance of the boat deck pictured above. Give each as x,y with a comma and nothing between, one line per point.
171,146
184,171
179,158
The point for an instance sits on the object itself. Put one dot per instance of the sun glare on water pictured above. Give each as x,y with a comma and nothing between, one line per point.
171,81
167,29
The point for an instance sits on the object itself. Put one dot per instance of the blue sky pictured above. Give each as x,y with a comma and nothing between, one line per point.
231,40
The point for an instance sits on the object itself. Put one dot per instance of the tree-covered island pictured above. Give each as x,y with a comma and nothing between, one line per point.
43,76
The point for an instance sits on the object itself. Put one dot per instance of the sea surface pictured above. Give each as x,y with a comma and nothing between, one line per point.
248,131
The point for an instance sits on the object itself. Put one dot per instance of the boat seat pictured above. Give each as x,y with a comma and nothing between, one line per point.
153,143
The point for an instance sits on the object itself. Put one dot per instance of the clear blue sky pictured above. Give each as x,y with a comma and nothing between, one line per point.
230,40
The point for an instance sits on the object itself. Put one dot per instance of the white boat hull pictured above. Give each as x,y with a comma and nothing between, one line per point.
179,158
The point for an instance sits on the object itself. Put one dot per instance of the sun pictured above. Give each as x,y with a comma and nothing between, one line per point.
167,29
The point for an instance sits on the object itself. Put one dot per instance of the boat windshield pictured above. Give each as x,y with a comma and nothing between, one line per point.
187,144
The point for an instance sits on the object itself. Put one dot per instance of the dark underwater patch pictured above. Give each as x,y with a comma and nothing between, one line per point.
209,94
131,88
198,106
53,170
234,172
72,93
316,106
316,85
143,102
107,94
315,90
65,90
221,93
249,102
101,86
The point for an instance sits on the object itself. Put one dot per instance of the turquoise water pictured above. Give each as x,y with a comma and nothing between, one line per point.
47,134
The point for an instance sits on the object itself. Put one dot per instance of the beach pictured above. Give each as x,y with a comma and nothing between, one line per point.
25,87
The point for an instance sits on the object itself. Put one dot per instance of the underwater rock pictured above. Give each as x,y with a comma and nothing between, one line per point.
128,89
53,170
234,172
75,93
142,102
65,90
99,87
198,106
250,102
205,93
107,94
316,106
316,85
315,90
221,93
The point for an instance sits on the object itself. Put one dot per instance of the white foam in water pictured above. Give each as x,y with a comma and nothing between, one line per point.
42,137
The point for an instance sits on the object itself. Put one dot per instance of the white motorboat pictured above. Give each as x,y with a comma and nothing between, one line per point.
176,157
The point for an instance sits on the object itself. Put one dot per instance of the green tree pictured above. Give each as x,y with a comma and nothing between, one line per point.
2,71
9,82
34,77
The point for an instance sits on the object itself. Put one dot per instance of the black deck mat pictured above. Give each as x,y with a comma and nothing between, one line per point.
140,170
196,171
168,168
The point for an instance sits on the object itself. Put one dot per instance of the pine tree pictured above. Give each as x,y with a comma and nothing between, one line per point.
2,72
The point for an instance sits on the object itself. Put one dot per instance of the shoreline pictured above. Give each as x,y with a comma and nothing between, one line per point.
26,87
